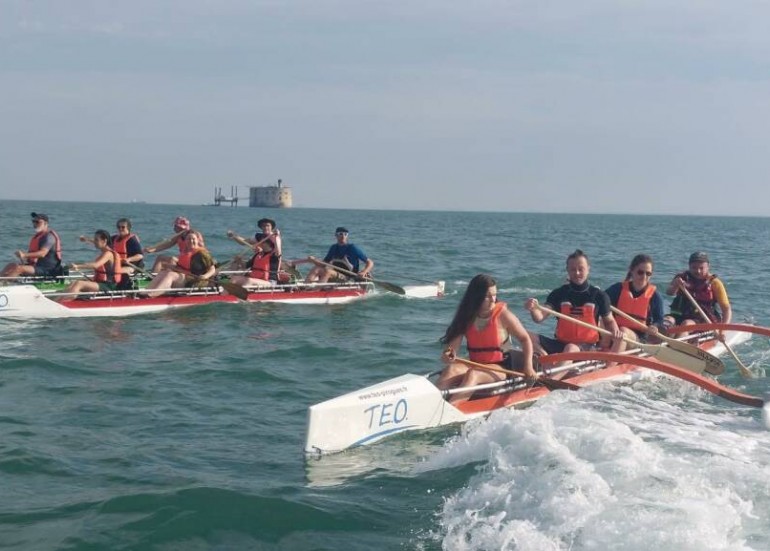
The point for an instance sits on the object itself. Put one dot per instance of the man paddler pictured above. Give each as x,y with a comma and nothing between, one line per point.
43,256
342,254
578,299
703,286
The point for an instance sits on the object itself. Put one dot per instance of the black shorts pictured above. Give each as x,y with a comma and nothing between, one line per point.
48,271
553,346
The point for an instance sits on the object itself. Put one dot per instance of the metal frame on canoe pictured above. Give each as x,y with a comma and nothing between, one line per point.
412,402
29,302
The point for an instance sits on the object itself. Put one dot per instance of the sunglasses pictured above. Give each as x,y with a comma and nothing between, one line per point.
122,227
341,233
644,273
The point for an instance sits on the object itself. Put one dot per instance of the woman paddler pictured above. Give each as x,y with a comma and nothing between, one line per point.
640,299
107,271
487,326
193,268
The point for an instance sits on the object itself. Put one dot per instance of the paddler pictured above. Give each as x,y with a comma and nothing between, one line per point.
578,299
108,273
43,256
181,227
265,264
193,268
640,299
487,327
347,256
707,290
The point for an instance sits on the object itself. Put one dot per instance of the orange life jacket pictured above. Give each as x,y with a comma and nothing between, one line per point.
263,265
120,244
109,272
567,331
34,245
484,346
636,307
185,259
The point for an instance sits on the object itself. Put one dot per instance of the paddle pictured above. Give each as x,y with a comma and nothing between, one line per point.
393,288
553,384
705,383
234,289
659,351
714,365
248,247
745,371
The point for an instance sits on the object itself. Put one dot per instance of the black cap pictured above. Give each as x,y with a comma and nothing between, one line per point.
341,230
699,256
39,216
266,221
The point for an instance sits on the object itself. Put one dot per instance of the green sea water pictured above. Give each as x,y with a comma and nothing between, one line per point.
184,430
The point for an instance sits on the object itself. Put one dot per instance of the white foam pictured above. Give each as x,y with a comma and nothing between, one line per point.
612,467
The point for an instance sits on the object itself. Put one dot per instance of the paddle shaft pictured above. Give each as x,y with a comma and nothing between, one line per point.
389,286
596,328
546,380
745,371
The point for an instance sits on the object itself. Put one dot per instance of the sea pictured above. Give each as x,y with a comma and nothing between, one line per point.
184,430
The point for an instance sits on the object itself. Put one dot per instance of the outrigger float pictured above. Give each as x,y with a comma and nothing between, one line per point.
31,302
413,402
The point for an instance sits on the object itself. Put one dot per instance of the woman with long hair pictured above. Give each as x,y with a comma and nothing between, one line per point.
487,327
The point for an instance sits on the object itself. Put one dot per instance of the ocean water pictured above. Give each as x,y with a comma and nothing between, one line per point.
184,430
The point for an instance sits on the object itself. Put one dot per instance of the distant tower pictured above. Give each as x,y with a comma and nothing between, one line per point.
276,196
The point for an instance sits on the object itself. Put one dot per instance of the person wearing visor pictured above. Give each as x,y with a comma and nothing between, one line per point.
181,227
707,290
343,254
43,256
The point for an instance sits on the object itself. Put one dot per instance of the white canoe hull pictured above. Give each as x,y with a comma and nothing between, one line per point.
412,402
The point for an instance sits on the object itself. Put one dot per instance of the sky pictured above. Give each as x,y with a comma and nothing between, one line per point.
652,107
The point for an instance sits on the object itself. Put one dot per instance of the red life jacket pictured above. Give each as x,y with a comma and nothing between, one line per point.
185,259
703,293
569,332
120,244
636,307
109,272
262,265
181,242
484,346
34,245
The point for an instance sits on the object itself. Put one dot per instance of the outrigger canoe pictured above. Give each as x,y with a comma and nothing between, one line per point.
30,302
413,402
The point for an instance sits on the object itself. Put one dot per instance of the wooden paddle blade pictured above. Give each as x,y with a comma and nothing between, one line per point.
675,357
714,365
238,291
389,286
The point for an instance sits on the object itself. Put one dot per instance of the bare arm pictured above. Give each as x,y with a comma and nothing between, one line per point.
165,244
533,307
367,268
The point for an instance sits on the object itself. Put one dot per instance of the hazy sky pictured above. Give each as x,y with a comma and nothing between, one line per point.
655,106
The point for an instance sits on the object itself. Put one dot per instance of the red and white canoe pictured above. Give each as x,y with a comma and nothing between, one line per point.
412,402
29,302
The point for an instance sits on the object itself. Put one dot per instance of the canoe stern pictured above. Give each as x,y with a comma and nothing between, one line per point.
409,402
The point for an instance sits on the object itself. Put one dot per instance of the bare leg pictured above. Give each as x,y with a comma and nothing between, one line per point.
163,281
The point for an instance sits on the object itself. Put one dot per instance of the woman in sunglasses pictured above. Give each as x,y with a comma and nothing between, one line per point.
638,298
